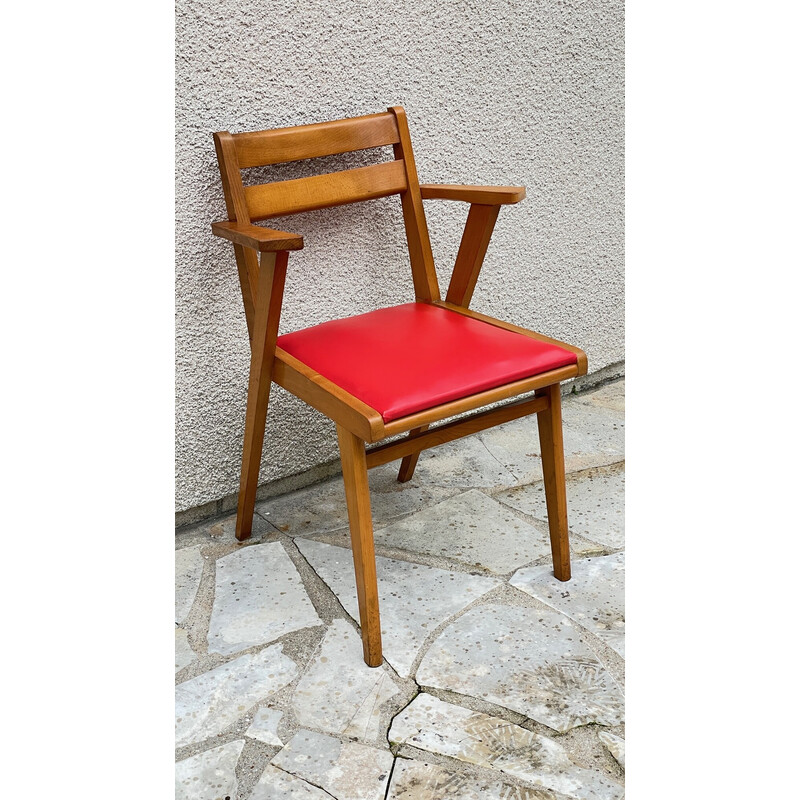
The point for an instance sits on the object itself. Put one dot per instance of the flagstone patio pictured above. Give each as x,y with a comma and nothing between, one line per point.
498,681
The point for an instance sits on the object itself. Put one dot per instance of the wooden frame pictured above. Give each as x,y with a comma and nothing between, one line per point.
262,257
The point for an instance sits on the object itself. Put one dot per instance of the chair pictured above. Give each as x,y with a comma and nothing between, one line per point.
395,370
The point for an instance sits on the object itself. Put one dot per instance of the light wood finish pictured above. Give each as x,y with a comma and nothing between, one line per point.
426,284
357,424
280,145
236,206
482,195
551,438
471,252
583,363
265,331
257,238
267,200
327,397
478,400
356,488
409,462
423,440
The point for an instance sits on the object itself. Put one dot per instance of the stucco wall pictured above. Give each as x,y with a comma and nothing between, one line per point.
496,92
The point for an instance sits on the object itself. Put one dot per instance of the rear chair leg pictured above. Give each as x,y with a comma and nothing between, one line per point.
409,463
551,438
356,489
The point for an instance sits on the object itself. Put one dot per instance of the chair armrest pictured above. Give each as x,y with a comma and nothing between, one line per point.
261,239
482,195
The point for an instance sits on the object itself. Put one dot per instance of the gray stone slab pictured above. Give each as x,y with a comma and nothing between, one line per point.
322,507
593,437
347,771
529,660
470,528
275,784
339,693
611,396
208,703
210,775
188,571
415,598
418,780
595,505
615,745
463,464
490,742
184,655
264,726
259,596
594,597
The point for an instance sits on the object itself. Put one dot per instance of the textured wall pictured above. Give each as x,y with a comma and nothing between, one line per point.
496,92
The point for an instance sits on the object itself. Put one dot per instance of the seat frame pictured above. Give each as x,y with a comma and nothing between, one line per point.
262,257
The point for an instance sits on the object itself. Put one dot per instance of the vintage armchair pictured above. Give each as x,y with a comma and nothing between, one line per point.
394,370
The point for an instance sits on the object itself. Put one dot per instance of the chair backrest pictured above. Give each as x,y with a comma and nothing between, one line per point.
239,151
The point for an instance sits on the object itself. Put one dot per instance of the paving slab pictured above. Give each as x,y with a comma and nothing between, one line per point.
464,464
188,572
322,508
208,703
264,726
259,596
210,775
184,655
472,529
594,597
339,693
595,504
418,780
347,771
528,660
414,599
610,396
615,745
486,741
275,784
593,437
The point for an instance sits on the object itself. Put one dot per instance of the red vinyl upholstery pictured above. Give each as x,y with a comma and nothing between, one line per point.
407,358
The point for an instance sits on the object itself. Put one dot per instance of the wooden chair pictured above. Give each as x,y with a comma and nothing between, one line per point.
394,370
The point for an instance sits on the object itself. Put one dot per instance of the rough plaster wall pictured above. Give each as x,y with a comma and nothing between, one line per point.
496,91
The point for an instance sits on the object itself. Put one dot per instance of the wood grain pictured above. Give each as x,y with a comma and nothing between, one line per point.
265,332
267,200
551,438
280,145
471,252
257,238
457,429
483,195
426,284
356,488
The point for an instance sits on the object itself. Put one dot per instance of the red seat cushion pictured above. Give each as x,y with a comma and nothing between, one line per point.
407,358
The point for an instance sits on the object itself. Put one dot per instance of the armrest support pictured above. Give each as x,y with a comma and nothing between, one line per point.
257,238
481,195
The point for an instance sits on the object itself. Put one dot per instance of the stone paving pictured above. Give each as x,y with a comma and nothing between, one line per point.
498,681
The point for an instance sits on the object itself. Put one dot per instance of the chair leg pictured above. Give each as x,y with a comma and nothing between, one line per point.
356,488
409,463
272,274
551,438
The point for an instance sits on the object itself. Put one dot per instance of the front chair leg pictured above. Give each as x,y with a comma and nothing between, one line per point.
551,438
271,279
356,488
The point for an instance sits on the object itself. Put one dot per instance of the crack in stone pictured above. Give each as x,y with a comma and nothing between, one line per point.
504,466
305,780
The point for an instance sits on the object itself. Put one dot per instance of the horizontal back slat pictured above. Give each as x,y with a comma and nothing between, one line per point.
323,191
311,141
